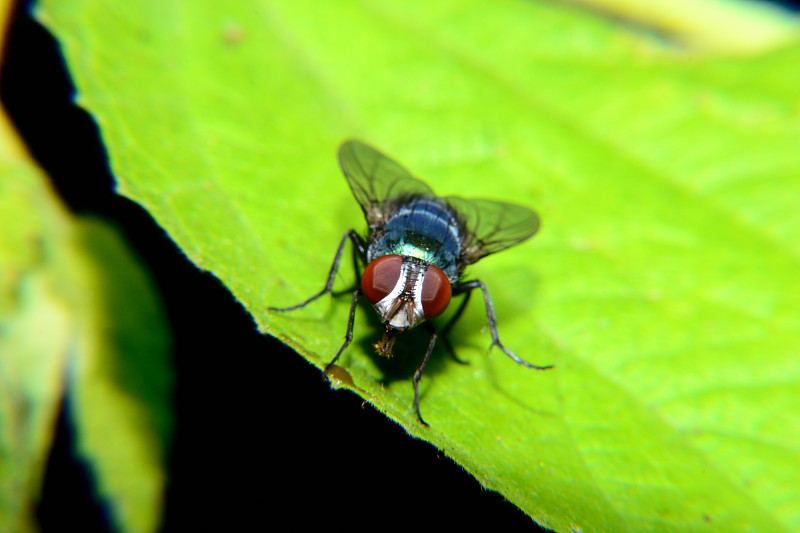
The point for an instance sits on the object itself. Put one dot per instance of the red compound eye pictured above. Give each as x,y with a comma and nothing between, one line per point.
435,292
380,277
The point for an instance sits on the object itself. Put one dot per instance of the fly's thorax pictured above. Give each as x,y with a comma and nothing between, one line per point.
405,290
421,228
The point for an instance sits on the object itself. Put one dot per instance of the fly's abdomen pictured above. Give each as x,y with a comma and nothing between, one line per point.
423,228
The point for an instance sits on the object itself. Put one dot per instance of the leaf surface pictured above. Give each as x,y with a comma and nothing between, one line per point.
662,284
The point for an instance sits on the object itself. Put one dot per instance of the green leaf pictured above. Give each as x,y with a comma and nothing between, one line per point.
34,273
120,386
74,303
737,26
662,283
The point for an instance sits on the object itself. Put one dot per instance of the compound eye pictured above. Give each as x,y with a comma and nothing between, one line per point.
435,292
380,277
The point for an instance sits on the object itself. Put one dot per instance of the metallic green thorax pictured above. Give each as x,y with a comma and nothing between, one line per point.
424,228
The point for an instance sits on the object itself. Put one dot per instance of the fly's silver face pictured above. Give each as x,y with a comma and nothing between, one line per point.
405,291
402,308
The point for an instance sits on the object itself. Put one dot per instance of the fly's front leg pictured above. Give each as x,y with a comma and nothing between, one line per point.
445,332
359,248
421,368
475,284
359,254
348,338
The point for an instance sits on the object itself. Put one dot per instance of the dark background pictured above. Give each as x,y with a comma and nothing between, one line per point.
261,439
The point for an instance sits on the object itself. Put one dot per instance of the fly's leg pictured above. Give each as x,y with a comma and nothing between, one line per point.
475,284
359,254
420,369
348,338
358,248
359,251
445,332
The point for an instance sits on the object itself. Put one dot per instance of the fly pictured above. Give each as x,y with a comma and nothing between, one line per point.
416,249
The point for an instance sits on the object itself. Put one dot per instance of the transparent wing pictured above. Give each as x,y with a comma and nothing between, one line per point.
375,178
491,226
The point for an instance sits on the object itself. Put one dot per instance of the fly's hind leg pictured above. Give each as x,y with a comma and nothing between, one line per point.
478,284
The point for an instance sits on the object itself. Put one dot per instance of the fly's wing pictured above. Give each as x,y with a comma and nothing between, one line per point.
489,226
375,179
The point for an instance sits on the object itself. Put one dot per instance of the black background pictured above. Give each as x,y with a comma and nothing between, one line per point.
261,440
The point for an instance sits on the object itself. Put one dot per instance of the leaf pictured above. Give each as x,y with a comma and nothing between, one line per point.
32,301
73,305
661,285
120,386
737,26
74,280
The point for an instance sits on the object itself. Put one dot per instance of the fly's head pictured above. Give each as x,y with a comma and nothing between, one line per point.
405,291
